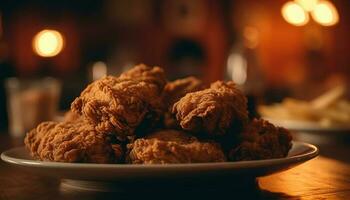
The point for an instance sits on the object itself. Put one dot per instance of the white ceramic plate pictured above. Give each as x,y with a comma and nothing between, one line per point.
19,157
308,126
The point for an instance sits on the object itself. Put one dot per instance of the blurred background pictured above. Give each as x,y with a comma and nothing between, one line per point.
271,49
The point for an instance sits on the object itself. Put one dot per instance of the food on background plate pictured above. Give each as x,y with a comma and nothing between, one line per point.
75,141
117,119
329,109
171,146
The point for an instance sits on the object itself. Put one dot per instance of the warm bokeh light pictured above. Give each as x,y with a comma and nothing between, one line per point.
294,14
325,13
48,43
308,5
99,70
251,37
237,68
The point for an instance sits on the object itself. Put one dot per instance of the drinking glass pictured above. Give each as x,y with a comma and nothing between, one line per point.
30,102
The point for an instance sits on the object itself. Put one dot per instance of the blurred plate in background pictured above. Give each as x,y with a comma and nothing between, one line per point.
305,126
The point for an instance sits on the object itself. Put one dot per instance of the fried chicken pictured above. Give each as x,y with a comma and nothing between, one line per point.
175,90
170,146
120,104
144,73
72,142
170,122
262,140
152,75
213,111
117,113
70,116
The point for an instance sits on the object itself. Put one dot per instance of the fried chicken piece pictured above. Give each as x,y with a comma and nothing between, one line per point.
71,116
144,73
170,146
72,142
121,104
262,140
153,75
175,90
170,122
213,111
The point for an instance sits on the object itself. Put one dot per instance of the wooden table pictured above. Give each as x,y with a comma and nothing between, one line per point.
321,178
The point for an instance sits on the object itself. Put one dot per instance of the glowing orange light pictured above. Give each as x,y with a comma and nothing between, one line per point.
325,14
294,14
48,43
308,5
251,36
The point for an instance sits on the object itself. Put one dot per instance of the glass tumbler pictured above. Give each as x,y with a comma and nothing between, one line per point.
30,102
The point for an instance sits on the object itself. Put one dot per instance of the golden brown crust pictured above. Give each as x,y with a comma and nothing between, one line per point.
262,140
213,111
120,104
121,109
170,146
175,90
70,116
71,142
143,73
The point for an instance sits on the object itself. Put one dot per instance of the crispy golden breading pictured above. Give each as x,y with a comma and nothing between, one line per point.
117,113
120,104
71,142
170,146
175,90
213,111
144,73
262,140
70,116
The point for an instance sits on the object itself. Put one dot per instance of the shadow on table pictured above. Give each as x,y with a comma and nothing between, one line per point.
244,189
17,184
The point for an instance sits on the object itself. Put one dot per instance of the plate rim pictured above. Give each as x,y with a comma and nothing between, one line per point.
312,153
307,126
